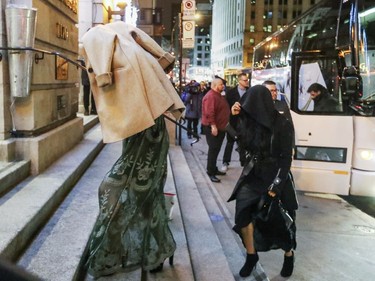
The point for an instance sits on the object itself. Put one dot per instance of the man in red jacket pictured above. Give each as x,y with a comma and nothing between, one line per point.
215,117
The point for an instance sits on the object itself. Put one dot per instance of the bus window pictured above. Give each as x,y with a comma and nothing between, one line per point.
367,52
318,89
325,154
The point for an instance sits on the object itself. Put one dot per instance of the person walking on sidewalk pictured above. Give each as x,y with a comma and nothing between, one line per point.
215,116
232,96
267,137
193,103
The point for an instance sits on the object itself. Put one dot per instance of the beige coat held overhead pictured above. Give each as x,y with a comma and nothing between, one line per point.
126,71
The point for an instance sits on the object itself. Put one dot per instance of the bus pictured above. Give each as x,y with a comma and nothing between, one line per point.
332,44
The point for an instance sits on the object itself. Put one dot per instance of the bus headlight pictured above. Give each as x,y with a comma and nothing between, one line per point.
366,155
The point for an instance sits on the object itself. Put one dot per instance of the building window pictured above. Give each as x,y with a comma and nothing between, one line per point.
252,28
267,15
296,13
252,41
249,57
267,28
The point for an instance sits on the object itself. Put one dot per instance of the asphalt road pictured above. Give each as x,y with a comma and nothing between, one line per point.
365,204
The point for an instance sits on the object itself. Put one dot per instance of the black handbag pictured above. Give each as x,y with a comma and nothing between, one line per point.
272,209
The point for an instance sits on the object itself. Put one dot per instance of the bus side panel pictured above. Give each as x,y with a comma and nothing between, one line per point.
363,183
320,180
320,134
363,178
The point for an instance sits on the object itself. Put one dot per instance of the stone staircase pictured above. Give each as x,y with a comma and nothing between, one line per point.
29,204
47,219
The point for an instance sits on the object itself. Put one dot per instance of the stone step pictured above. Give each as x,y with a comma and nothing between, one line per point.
57,251
31,203
12,173
208,258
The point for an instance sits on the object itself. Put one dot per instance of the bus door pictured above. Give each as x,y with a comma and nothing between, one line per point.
323,134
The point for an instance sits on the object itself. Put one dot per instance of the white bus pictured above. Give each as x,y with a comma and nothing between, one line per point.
332,44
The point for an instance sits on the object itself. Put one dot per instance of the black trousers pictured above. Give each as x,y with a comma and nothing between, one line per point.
214,146
192,125
86,99
227,157
228,149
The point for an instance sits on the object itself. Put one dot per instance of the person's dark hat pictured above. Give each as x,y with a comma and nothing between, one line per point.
222,79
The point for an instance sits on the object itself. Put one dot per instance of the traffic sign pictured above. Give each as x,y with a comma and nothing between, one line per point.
188,9
188,34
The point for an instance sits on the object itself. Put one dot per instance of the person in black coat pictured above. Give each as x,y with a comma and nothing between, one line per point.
323,101
193,103
267,138
87,92
232,96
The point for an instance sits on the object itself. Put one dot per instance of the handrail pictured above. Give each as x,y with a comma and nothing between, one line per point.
197,137
38,58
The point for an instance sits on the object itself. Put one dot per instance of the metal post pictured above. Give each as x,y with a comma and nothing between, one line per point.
180,36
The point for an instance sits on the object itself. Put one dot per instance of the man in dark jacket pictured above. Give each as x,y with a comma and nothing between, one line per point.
232,96
323,101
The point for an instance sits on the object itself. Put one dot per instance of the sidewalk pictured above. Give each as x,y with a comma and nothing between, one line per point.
335,240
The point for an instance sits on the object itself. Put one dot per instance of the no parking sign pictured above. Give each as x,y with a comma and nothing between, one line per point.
188,9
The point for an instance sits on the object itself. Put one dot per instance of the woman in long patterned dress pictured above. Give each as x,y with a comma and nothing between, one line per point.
132,228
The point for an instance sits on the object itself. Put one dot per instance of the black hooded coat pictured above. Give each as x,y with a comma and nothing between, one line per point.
267,136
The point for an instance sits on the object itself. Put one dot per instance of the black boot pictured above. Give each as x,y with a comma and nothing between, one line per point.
251,261
160,266
288,266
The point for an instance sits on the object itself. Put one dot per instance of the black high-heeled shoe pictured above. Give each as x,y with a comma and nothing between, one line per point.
160,266
288,266
251,261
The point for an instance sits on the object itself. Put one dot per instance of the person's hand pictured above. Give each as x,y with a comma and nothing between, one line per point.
236,108
275,192
214,130
272,194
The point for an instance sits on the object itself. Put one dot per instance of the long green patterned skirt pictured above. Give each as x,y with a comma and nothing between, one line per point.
132,229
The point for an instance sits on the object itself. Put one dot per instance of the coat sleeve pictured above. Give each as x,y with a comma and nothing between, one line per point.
284,150
165,59
99,44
